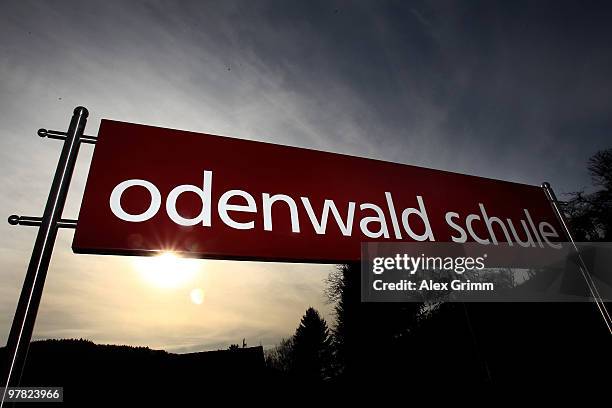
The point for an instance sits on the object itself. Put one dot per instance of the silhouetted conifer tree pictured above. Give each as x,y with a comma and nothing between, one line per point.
312,353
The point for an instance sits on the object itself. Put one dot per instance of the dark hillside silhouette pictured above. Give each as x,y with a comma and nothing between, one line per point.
88,371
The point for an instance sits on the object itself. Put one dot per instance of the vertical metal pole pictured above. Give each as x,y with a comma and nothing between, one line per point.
31,293
599,302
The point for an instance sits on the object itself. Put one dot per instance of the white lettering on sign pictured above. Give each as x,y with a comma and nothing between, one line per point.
372,218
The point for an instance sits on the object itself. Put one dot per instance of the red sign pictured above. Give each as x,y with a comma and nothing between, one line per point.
156,189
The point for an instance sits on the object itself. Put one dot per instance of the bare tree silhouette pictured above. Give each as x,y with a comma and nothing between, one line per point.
590,213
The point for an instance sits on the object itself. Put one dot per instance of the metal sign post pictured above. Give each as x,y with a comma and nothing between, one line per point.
599,302
31,293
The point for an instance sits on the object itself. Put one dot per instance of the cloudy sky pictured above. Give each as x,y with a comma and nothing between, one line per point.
517,91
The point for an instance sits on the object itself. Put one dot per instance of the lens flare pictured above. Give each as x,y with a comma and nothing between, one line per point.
197,296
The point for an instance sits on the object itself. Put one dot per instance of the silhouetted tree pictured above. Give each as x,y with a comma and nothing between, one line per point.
340,292
281,357
312,352
590,214
367,336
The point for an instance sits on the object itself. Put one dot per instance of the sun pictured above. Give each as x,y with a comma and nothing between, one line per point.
167,270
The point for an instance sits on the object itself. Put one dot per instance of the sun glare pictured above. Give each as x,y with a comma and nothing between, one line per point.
167,271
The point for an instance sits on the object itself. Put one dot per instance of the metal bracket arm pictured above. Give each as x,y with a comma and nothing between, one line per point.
37,221
54,134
